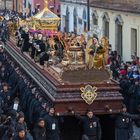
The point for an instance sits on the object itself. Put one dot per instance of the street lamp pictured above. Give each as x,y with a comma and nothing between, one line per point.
88,15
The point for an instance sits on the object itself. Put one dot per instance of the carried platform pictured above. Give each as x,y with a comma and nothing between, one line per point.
78,89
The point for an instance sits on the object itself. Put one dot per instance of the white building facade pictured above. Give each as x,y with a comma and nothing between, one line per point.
122,28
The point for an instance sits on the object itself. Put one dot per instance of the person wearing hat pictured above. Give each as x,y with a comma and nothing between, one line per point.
52,127
39,131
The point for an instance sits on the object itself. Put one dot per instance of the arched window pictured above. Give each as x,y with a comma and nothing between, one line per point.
84,15
95,18
75,20
106,20
67,20
118,34
85,20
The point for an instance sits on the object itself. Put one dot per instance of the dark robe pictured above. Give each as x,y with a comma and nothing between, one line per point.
5,137
137,92
21,125
123,127
3,128
125,85
114,68
25,45
33,49
13,79
19,39
137,122
2,57
16,137
43,55
6,96
133,98
91,128
59,50
39,133
8,136
52,127
4,75
38,42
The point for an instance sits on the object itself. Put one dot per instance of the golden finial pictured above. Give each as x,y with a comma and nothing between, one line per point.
46,3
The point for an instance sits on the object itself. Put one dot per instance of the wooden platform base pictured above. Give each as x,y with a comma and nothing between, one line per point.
64,92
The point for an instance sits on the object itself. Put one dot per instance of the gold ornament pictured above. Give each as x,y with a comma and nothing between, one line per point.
1,18
88,93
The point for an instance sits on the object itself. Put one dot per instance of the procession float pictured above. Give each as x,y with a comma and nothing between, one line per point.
45,22
76,76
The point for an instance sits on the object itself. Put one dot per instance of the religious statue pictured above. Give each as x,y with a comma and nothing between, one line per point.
94,54
105,44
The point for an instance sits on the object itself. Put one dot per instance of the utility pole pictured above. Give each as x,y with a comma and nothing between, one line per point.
88,15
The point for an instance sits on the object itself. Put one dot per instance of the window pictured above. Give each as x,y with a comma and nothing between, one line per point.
106,19
67,20
75,20
95,18
85,20
119,34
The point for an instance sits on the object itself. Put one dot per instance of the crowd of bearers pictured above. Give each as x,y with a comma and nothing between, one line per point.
41,48
24,113
12,119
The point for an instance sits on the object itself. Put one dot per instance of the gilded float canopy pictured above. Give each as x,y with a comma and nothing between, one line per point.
44,20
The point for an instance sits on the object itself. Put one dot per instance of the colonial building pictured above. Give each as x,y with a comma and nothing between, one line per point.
119,20
29,7
6,4
21,6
